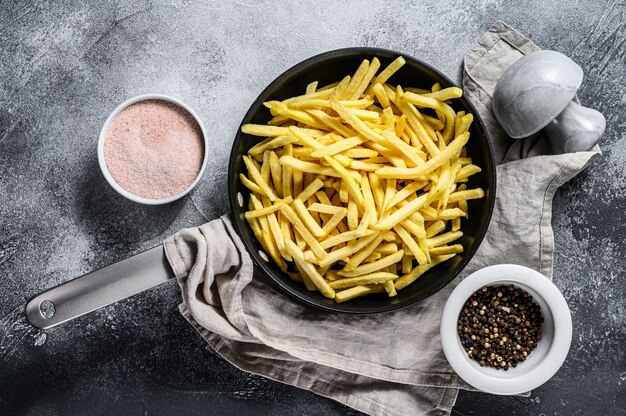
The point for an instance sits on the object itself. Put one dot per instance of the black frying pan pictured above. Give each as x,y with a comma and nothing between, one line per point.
145,270
331,67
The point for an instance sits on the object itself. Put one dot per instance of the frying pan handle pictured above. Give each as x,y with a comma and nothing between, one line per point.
99,288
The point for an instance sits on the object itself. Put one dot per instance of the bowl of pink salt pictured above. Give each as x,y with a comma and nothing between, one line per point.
153,149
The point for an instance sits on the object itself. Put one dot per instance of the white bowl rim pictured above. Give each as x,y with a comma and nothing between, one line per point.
102,161
507,274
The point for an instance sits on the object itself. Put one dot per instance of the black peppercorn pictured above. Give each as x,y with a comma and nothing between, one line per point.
499,326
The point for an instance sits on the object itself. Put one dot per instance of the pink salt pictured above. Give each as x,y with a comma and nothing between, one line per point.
154,149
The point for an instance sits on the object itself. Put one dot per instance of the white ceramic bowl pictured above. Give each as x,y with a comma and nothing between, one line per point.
105,169
542,362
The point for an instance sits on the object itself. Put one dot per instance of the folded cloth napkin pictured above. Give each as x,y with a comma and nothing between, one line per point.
383,364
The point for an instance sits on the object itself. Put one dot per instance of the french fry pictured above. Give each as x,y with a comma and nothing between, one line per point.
435,228
388,222
387,248
450,214
271,143
402,194
250,185
465,195
267,210
432,164
348,250
381,95
309,270
325,208
310,89
407,279
372,267
441,250
256,177
308,220
354,83
338,147
445,94
357,291
390,288
428,102
310,190
467,171
411,244
367,279
363,254
442,239
367,78
391,69
344,237
303,231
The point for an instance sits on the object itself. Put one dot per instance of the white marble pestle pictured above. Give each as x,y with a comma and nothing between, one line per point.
536,93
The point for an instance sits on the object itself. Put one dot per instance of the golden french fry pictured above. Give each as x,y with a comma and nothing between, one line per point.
359,153
250,185
402,194
445,94
367,78
303,231
390,288
367,279
357,291
353,215
381,95
344,237
257,177
310,190
435,228
306,217
372,267
309,270
388,222
432,164
407,279
348,250
441,250
467,171
271,143
325,208
269,209
450,214
465,195
310,89
387,248
354,83
338,147
428,102
442,239
360,256
391,69
411,244
456,224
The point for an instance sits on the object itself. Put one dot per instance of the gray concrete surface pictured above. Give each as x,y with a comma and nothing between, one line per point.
65,65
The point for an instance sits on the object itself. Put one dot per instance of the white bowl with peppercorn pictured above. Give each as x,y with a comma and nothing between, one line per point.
506,329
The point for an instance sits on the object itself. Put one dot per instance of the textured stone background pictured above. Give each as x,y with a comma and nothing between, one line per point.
65,66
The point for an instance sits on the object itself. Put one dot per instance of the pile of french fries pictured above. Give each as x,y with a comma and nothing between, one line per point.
360,187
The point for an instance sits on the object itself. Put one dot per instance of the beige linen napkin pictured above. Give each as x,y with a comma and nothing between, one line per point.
389,364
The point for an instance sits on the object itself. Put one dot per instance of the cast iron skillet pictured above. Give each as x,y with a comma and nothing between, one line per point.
331,67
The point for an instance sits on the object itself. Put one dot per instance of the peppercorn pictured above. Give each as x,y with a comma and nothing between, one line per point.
499,326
